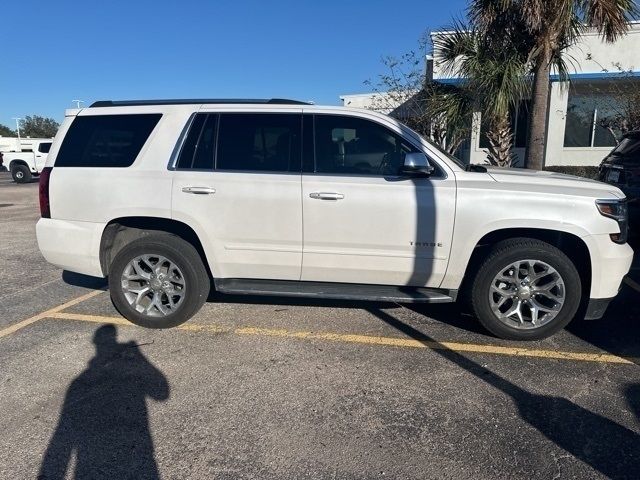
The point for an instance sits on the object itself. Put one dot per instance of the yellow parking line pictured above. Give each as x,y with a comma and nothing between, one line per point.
376,340
81,317
24,323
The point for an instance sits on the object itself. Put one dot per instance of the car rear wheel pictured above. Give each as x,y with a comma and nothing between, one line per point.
20,173
158,281
526,289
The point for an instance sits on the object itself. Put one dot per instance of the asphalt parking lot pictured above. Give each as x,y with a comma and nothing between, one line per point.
273,388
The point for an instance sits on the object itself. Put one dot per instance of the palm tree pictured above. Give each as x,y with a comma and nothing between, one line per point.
550,26
494,69
448,112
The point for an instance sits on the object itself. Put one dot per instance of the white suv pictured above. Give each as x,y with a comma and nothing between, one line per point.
278,197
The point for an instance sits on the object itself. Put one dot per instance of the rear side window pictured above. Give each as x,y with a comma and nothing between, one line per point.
105,140
44,147
199,146
261,142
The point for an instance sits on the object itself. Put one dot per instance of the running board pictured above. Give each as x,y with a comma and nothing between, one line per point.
335,291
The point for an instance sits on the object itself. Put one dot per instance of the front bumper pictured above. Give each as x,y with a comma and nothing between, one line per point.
610,262
597,308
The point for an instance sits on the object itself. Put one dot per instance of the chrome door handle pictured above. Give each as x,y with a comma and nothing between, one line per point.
199,190
326,196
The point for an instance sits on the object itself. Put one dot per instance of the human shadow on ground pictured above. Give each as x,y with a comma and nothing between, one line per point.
608,447
104,420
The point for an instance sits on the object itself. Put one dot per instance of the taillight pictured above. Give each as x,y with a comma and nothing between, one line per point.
45,207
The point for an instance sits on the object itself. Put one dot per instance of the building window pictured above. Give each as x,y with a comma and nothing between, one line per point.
589,105
519,126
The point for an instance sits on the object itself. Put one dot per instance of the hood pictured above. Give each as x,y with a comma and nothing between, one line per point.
553,182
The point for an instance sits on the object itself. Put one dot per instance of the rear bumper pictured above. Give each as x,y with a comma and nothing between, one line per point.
73,246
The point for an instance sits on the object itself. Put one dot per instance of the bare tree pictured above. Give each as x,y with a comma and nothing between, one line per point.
623,104
441,112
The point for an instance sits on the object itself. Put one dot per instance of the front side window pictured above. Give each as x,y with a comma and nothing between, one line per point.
355,146
105,140
259,142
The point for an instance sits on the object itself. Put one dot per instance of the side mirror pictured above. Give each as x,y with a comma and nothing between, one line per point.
417,165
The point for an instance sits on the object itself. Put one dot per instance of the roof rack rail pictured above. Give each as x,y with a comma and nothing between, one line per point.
136,103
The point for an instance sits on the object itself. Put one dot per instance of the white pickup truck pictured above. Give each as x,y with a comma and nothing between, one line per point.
169,199
26,158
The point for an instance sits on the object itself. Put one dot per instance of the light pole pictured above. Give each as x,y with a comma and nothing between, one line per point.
78,102
17,119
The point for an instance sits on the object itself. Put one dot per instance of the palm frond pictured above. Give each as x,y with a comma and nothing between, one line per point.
610,17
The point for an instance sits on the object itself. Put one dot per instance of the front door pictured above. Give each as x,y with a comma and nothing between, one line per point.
242,192
365,223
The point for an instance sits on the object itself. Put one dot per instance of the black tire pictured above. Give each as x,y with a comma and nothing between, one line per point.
513,250
21,173
184,256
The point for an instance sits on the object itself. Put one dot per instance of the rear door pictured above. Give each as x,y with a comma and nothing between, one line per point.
236,181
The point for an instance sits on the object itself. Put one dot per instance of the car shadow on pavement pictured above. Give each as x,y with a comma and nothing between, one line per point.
85,281
618,332
608,447
104,420
449,314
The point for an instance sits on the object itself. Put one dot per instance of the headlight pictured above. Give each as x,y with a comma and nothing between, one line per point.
616,209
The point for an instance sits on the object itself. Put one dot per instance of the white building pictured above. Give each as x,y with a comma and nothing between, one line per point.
574,134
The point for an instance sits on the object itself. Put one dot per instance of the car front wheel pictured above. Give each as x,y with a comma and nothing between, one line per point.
158,281
526,289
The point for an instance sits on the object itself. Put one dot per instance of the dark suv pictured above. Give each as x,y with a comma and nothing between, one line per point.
622,169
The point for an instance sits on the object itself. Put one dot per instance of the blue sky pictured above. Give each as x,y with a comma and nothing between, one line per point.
61,50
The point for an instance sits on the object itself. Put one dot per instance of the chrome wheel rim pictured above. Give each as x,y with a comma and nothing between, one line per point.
153,285
527,294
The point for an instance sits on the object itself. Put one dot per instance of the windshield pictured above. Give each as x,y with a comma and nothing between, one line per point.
455,160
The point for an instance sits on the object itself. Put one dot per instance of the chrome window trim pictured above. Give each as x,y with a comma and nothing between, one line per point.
175,154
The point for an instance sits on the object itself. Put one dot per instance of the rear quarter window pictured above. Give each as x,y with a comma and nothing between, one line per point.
105,140
44,147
